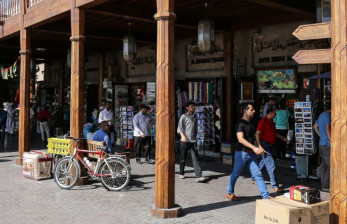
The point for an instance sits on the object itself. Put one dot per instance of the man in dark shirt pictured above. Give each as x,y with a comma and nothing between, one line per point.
3,118
266,137
246,154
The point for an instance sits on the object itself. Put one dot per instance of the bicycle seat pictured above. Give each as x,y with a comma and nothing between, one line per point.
103,148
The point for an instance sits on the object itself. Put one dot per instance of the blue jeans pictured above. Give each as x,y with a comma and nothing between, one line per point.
241,160
268,161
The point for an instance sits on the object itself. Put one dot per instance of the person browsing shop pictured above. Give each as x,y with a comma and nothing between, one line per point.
3,118
246,154
101,135
322,128
142,134
43,117
187,129
271,102
266,137
107,115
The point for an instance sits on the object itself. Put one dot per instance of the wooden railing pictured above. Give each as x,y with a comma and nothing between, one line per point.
9,8
33,2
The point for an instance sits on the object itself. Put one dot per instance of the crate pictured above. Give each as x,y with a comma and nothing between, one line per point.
59,146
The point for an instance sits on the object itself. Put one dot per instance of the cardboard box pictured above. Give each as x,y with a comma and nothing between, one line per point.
283,210
304,194
37,165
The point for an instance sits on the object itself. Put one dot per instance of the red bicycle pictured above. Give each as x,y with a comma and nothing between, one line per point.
112,170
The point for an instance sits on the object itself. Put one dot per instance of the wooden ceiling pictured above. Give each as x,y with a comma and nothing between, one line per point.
106,24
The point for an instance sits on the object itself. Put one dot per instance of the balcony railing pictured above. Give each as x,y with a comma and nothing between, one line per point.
9,8
33,2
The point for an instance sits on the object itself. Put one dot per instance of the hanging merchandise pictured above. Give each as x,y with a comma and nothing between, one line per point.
10,71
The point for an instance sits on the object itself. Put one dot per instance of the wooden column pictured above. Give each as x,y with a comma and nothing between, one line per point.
77,72
338,156
101,77
165,136
24,97
228,70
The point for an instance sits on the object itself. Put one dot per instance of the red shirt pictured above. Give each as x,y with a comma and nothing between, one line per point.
43,115
268,130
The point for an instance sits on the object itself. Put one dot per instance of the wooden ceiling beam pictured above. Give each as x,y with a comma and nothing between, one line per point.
91,36
286,8
134,18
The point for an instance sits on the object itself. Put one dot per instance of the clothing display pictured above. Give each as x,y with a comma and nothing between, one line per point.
200,92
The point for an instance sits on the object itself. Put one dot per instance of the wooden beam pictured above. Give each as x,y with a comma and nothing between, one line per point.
91,36
77,72
286,8
318,56
24,97
313,31
135,18
338,152
228,57
164,206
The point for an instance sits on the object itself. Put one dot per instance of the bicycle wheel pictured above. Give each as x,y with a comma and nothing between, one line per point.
66,173
115,174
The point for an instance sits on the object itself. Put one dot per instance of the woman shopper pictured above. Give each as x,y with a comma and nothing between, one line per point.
282,125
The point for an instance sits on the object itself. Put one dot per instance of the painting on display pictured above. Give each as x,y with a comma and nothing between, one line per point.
276,80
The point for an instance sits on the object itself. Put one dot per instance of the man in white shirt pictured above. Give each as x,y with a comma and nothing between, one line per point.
107,115
142,134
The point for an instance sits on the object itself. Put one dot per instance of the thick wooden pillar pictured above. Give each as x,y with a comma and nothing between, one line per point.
24,97
338,161
101,77
77,72
228,70
165,137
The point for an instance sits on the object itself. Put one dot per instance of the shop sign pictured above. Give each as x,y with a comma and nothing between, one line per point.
144,63
201,61
275,47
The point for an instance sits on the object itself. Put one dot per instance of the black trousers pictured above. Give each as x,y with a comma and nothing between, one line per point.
280,144
143,143
324,152
185,146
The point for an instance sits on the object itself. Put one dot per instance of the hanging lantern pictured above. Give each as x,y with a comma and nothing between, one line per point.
129,47
206,35
323,10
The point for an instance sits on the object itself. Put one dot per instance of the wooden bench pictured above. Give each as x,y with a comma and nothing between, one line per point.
94,145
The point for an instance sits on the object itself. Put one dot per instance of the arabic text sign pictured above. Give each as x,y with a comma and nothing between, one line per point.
318,56
313,31
201,61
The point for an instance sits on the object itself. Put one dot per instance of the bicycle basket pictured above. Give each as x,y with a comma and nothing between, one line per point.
59,146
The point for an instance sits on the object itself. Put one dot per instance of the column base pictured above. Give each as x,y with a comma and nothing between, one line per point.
19,161
164,213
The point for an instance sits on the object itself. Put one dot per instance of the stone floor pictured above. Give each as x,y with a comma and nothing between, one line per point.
24,200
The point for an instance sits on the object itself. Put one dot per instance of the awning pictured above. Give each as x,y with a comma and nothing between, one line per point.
325,75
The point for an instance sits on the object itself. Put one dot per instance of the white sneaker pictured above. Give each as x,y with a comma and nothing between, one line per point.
200,179
182,176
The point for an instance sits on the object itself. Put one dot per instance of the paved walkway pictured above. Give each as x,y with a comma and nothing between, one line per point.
24,200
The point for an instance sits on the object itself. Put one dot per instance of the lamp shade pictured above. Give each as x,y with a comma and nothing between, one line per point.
129,48
206,35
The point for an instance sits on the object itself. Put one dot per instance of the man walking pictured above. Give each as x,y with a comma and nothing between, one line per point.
246,154
323,129
142,134
3,118
43,117
266,137
187,128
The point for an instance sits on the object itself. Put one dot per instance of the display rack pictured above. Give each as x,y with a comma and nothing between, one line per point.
126,127
206,131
